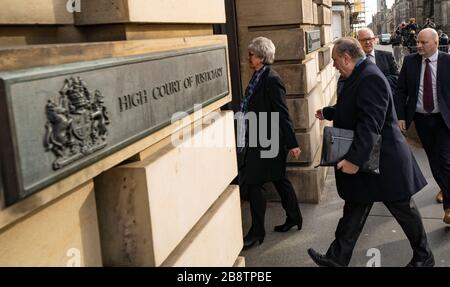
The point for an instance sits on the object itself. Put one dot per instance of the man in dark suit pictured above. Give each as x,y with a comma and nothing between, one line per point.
366,106
383,59
424,96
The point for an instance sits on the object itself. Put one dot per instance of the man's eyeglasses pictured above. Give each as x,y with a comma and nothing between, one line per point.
367,39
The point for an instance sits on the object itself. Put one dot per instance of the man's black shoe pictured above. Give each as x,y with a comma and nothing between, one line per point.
429,262
322,260
287,226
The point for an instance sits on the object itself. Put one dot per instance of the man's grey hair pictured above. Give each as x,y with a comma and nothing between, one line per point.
264,49
364,30
350,46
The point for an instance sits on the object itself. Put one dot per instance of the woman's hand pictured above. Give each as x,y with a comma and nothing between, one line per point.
295,152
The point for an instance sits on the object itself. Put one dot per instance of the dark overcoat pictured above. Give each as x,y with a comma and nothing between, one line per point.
366,106
269,97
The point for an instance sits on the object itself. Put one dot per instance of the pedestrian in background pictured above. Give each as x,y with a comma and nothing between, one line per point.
383,59
429,24
443,41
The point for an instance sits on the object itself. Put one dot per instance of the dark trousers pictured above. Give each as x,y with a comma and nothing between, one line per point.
354,218
258,204
435,138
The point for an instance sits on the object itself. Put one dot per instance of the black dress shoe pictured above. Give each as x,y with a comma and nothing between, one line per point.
287,226
250,241
429,262
322,260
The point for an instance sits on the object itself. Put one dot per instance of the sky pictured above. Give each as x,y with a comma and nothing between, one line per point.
371,8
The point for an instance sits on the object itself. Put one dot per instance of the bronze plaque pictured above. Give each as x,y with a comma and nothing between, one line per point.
312,41
59,119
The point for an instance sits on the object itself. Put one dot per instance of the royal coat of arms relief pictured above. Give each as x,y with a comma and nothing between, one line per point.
76,123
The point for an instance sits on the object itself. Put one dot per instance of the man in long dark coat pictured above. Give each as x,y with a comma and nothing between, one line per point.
366,106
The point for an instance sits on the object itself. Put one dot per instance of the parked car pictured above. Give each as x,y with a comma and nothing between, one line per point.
385,39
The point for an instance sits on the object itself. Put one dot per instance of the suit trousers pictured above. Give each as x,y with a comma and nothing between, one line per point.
351,224
258,204
435,138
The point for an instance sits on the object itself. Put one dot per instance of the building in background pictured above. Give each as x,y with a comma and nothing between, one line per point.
437,10
383,20
358,15
341,11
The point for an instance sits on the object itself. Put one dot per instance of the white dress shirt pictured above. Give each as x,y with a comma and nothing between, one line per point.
433,66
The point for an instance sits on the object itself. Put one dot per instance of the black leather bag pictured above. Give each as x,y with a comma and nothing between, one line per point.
336,144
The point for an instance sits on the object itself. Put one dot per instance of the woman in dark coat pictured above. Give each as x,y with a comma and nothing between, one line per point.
265,136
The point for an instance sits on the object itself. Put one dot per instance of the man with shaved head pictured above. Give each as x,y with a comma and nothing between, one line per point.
383,59
424,96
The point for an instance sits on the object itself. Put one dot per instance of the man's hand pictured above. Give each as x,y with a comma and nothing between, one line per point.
347,167
402,125
295,152
319,115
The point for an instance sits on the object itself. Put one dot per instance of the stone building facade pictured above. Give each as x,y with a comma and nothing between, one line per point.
341,15
438,10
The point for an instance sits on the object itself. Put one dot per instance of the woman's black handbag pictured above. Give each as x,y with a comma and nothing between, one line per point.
336,144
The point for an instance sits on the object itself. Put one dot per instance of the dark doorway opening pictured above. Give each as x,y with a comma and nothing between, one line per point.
230,29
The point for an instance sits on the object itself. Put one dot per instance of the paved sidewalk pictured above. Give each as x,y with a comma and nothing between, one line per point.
319,222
